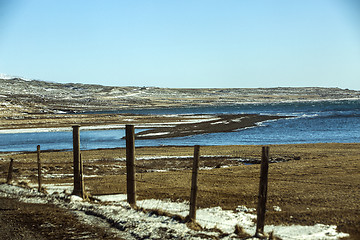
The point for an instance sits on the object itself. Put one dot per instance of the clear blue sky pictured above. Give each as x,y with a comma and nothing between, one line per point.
183,43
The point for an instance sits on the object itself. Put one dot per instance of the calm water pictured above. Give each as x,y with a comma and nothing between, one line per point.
336,121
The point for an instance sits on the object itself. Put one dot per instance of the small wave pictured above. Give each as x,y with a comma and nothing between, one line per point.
341,115
262,123
330,114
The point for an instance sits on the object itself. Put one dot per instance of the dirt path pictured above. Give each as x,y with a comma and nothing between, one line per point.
12,222
19,220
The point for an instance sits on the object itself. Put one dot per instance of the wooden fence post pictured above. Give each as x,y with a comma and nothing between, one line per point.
130,165
39,167
82,184
261,208
9,177
77,162
194,188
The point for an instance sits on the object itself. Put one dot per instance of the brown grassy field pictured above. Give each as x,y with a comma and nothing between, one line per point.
312,183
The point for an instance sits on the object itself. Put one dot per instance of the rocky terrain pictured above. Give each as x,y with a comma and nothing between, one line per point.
20,97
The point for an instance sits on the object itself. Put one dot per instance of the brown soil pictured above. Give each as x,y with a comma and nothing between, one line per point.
29,221
311,183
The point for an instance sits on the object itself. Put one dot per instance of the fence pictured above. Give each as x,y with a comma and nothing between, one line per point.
78,177
195,187
131,185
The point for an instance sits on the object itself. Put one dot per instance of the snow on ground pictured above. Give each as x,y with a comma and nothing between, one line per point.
154,134
35,130
139,225
215,123
6,76
146,158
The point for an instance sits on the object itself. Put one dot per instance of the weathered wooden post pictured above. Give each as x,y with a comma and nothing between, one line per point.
194,188
261,208
9,177
39,167
77,162
82,185
130,165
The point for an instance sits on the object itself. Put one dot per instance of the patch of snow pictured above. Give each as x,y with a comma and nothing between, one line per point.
60,112
237,119
35,130
112,198
57,175
66,188
225,166
139,225
61,129
297,232
174,157
104,127
180,208
277,208
74,198
225,220
206,168
63,175
209,117
244,209
215,123
158,170
153,134
155,125
7,77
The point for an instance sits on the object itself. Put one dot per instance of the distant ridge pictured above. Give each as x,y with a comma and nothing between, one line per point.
34,96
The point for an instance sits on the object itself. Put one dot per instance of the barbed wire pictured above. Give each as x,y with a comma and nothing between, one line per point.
311,182
231,176
162,187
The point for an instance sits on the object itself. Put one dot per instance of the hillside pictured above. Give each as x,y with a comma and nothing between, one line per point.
19,96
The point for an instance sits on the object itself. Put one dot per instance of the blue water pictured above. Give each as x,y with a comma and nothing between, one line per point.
314,122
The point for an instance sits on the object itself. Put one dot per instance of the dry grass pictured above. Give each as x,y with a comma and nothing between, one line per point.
322,187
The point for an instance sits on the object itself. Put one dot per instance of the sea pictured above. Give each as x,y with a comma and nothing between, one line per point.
309,122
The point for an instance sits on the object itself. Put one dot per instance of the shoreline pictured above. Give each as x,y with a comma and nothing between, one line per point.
159,127
183,124
152,127
125,110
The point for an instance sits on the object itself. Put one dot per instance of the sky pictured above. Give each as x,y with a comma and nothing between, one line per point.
183,43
